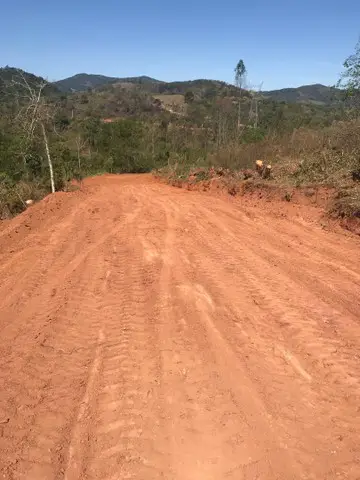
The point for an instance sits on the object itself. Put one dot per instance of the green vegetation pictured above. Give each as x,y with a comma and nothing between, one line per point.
351,75
91,124
350,78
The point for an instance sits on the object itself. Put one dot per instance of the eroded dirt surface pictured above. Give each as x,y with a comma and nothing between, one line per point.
148,332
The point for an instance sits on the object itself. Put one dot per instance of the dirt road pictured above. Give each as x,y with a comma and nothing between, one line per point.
152,333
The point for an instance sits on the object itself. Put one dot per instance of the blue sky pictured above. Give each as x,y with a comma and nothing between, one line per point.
283,43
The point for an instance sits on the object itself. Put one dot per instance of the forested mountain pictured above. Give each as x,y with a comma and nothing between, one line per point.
317,93
84,81
13,80
201,87
196,101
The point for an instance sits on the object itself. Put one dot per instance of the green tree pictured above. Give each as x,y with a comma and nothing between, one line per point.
350,78
351,75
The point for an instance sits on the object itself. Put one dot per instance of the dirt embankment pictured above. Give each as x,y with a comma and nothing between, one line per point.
150,332
319,201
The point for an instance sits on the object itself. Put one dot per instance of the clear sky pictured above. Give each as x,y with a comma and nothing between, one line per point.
282,42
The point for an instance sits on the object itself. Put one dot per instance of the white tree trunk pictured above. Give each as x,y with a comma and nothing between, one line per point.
256,113
48,157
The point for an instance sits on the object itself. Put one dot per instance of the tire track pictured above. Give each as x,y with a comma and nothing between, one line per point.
231,263
291,305
67,325
127,390
53,369
194,354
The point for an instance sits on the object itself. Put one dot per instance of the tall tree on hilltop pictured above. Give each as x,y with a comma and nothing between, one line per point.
240,75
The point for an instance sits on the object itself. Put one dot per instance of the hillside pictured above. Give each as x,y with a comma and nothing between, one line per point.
12,79
114,100
130,126
140,97
317,93
84,81
202,88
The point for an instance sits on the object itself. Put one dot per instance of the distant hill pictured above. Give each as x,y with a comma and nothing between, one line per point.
317,93
85,95
12,78
84,81
14,91
202,88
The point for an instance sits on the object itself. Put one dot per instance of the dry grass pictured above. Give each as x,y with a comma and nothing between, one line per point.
346,204
13,197
328,157
168,100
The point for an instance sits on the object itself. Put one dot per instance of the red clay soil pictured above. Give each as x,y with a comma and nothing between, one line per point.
148,332
308,202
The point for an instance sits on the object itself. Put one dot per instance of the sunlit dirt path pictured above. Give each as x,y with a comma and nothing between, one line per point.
152,333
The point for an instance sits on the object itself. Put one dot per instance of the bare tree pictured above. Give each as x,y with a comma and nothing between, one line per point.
222,119
80,145
240,76
257,100
35,114
254,105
